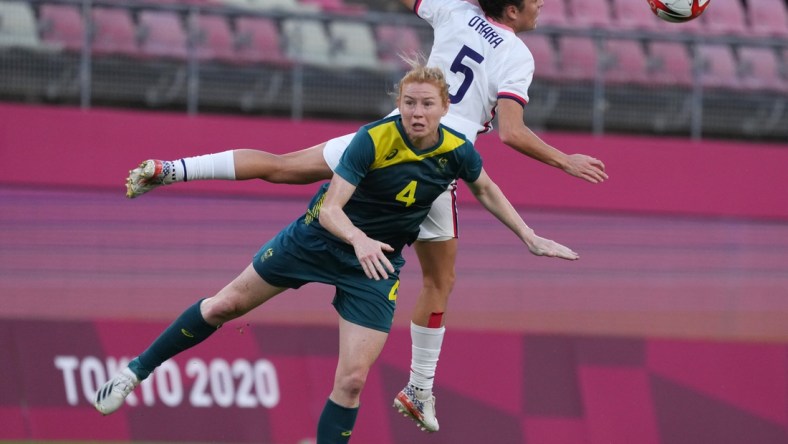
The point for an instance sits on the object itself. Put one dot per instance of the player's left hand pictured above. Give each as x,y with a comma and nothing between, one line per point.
586,167
370,254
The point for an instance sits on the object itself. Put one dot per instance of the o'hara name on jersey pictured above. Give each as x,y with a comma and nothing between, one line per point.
485,30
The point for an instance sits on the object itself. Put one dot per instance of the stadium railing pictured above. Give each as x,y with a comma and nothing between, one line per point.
653,80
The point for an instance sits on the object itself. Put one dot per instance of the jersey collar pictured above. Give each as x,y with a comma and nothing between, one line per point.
417,151
498,24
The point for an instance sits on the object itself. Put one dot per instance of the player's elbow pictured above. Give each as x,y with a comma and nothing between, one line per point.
508,136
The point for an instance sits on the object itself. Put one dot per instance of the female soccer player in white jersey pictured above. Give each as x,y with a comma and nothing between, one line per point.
490,70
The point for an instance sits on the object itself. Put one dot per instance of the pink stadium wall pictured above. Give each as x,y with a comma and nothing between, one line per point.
266,381
96,148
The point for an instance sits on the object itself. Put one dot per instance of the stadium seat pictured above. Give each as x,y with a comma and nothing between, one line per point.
354,44
719,66
18,26
670,64
583,14
768,17
215,39
274,5
396,40
61,25
258,41
114,32
577,58
337,6
730,20
635,15
544,55
554,13
625,62
163,35
307,41
760,69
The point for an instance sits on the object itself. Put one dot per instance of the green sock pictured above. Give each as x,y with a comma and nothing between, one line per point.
336,423
187,331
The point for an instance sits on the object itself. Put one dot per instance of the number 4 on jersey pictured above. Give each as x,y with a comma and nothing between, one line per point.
408,194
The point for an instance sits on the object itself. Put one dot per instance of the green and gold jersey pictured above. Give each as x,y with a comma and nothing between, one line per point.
396,182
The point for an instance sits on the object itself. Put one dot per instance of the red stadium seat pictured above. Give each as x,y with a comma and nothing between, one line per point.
396,40
719,67
577,58
554,13
670,64
760,69
544,55
336,6
635,15
215,41
586,14
61,25
163,35
114,32
729,20
258,41
768,17
625,62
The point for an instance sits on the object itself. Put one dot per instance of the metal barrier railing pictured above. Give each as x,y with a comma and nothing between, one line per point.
299,88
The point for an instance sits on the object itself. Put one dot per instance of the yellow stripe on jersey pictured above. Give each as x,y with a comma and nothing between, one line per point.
391,149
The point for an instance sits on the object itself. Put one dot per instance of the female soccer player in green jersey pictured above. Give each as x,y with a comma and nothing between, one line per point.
351,237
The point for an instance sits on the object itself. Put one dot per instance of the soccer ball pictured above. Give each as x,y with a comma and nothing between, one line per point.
678,11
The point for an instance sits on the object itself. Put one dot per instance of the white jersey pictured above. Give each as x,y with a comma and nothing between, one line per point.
483,61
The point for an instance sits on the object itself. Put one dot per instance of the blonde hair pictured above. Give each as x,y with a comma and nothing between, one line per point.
420,73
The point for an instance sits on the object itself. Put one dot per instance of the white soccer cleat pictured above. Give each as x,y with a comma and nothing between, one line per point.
420,411
113,393
149,175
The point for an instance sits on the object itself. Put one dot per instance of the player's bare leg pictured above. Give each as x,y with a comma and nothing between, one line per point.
427,328
359,347
299,167
438,276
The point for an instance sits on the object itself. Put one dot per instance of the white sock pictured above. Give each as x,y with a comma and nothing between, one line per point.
426,349
206,167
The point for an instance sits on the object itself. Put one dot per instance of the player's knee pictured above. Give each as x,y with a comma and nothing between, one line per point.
352,383
277,169
441,283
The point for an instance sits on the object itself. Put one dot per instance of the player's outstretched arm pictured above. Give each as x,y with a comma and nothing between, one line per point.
513,132
493,199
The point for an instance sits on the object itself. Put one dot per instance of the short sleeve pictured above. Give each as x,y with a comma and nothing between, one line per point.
435,12
357,158
472,166
518,73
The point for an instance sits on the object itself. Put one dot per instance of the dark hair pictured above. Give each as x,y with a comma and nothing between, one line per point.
494,8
